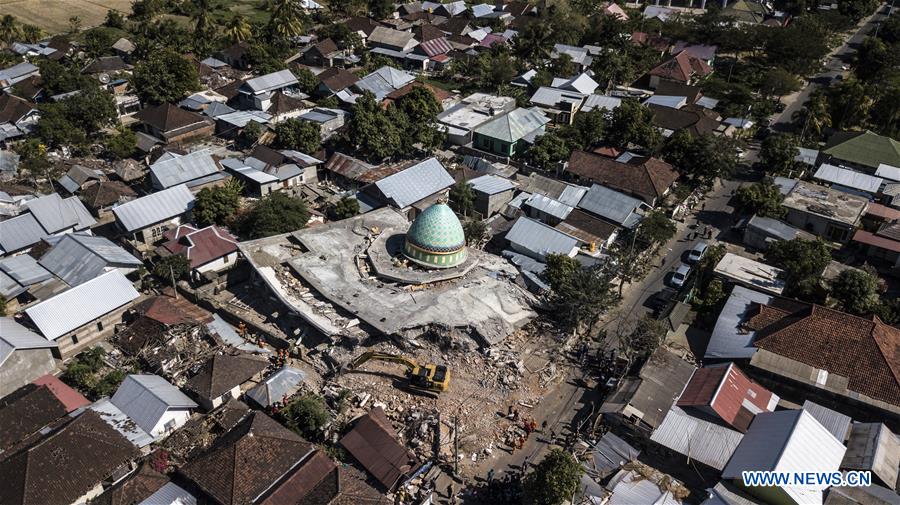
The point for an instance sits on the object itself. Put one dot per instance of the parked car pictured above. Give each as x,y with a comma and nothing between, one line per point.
680,276
697,252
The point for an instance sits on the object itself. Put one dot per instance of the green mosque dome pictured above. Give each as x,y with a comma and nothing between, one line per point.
436,238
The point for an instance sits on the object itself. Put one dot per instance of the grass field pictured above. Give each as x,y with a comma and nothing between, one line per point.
53,15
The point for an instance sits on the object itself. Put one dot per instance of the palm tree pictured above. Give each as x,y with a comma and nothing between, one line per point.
287,19
813,117
9,29
204,26
238,29
31,33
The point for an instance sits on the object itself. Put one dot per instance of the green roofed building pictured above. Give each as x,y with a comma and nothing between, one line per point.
865,150
511,133
436,238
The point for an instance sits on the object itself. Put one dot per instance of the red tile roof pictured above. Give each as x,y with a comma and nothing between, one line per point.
868,238
681,68
866,351
648,179
886,213
71,399
374,444
200,246
170,311
730,394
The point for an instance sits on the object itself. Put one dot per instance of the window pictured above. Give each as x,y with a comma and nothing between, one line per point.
169,426
225,259
822,377
99,325
75,339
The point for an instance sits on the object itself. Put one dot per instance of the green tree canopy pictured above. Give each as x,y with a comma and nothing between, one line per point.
462,198
655,229
123,144
274,214
299,135
344,208
217,205
632,123
761,198
554,479
578,295
778,153
548,150
177,265
306,415
372,130
418,111
165,77
702,158
803,262
856,291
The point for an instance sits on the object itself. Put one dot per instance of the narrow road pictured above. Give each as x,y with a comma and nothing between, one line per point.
831,70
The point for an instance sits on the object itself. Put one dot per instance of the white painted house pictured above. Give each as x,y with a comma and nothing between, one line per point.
154,404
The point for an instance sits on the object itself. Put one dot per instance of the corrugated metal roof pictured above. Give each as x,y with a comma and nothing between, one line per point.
551,97
183,169
610,204
848,178
285,382
50,211
58,315
270,82
20,232
773,227
631,488
540,239
807,156
146,399
481,10
729,339
888,172
9,161
698,439
513,126
549,206
833,421
171,493
707,102
120,422
14,336
24,269
84,218
70,185
491,184
241,118
610,453
155,208
9,288
673,102
78,258
415,183
787,441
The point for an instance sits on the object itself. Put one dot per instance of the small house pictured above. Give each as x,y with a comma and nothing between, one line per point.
824,212
24,356
146,218
210,249
321,54
224,377
538,240
257,92
415,187
510,134
154,404
492,193
195,170
170,124
79,257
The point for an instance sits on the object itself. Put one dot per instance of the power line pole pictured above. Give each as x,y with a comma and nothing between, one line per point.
455,446
174,287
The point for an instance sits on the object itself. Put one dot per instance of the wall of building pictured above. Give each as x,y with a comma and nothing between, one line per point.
219,264
178,416
24,366
488,205
90,334
153,234
819,226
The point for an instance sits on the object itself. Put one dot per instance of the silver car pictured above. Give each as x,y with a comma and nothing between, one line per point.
697,252
680,276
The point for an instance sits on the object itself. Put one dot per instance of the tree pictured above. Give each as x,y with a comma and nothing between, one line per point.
250,134
204,26
646,336
875,59
298,135
632,123
165,77
9,29
554,479
109,383
380,9
74,24
580,297
306,80
494,68
803,262
857,9
711,299
885,113
122,145
888,311
418,111
238,29
762,199
462,198
534,43
780,82
217,205
702,158
276,213
306,415
176,265
814,117
32,34
848,104
78,117
655,229
344,208
33,159
373,131
56,78
559,270
475,231
778,153
587,129
98,41
286,21
114,19
856,291
548,151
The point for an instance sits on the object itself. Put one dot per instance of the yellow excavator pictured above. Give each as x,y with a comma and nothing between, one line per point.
432,378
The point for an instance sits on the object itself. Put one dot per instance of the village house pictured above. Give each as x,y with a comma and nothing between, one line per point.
155,405
538,240
825,212
210,249
883,245
100,198
373,443
224,377
415,188
17,117
492,193
146,218
196,170
78,257
510,134
649,179
862,150
257,93
170,124
321,54
683,68
101,302
24,356
44,217
474,110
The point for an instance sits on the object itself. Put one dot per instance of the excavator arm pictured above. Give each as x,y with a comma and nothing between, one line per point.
382,356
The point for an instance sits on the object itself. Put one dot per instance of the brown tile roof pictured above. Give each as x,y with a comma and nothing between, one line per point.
106,193
200,246
316,481
455,26
325,48
681,68
648,178
134,489
170,311
12,108
247,461
361,24
373,443
586,227
695,122
223,372
355,490
64,465
25,411
428,32
439,94
337,79
866,351
282,104
71,399
167,117
105,64
679,89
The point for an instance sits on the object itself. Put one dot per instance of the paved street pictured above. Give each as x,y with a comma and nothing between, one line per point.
835,59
